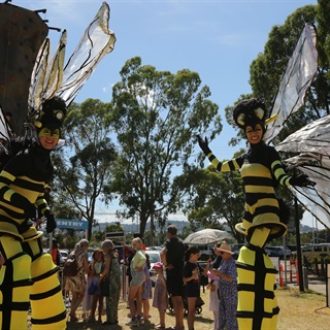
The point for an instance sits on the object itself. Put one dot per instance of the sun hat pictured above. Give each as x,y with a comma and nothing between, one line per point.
158,265
224,247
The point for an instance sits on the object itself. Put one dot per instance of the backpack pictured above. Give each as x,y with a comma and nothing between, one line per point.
70,267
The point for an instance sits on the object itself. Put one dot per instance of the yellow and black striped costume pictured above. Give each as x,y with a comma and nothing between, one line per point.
260,168
28,276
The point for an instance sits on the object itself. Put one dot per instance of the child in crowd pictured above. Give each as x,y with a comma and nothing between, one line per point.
191,280
160,300
94,290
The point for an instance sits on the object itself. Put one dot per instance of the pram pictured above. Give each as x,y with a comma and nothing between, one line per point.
198,308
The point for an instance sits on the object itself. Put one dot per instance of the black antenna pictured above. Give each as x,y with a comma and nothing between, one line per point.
41,11
54,28
8,1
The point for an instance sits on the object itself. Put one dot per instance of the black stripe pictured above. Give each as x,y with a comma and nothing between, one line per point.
245,266
251,287
252,198
281,177
11,213
34,187
258,181
253,315
19,254
49,320
211,157
16,306
277,166
231,165
259,289
266,209
46,294
276,310
7,293
248,216
45,275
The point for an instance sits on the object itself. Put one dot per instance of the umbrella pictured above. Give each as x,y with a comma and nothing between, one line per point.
207,236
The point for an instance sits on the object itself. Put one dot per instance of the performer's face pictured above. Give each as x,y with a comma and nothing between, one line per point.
49,138
254,134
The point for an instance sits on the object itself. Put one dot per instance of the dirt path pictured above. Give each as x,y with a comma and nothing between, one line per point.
298,312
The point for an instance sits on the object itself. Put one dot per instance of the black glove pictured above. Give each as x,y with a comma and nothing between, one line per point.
51,222
203,144
301,180
24,204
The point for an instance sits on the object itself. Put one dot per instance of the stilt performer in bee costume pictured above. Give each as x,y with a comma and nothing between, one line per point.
23,182
28,277
260,169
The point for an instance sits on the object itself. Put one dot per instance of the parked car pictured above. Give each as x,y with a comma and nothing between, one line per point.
154,256
278,251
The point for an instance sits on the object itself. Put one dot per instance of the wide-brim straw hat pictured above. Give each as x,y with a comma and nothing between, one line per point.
225,247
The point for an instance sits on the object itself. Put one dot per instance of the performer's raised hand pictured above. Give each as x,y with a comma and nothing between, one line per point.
203,144
301,180
51,222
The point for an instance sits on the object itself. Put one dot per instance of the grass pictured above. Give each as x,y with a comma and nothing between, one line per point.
305,311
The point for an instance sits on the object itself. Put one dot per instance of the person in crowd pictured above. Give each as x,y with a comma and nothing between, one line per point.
214,301
160,300
136,285
112,276
172,256
191,281
94,288
55,253
146,291
77,284
227,288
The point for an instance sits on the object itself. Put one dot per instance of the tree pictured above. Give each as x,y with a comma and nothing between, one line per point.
212,196
267,69
157,115
84,165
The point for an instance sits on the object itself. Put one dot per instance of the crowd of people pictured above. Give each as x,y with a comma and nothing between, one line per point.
97,285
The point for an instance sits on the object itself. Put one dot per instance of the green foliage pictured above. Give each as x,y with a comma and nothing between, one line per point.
156,117
83,165
212,197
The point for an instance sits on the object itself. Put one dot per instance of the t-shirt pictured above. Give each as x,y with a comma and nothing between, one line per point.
175,252
139,260
188,269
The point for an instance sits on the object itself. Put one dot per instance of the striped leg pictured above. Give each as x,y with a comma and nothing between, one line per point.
47,305
15,284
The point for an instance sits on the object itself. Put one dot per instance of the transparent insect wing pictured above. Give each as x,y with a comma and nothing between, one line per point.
4,129
97,41
38,78
54,77
297,78
311,144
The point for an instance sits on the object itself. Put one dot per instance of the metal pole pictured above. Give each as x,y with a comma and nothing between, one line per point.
299,256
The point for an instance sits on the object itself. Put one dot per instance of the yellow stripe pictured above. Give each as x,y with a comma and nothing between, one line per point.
8,194
26,178
259,189
8,175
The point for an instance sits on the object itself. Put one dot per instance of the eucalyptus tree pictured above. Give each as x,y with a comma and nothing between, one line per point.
157,115
267,69
83,165
212,198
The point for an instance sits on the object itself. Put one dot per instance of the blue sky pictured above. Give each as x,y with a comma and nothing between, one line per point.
216,38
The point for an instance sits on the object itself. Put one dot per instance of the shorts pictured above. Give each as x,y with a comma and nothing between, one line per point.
138,278
174,282
192,290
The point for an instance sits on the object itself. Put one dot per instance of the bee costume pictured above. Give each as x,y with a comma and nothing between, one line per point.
36,89
28,275
260,168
